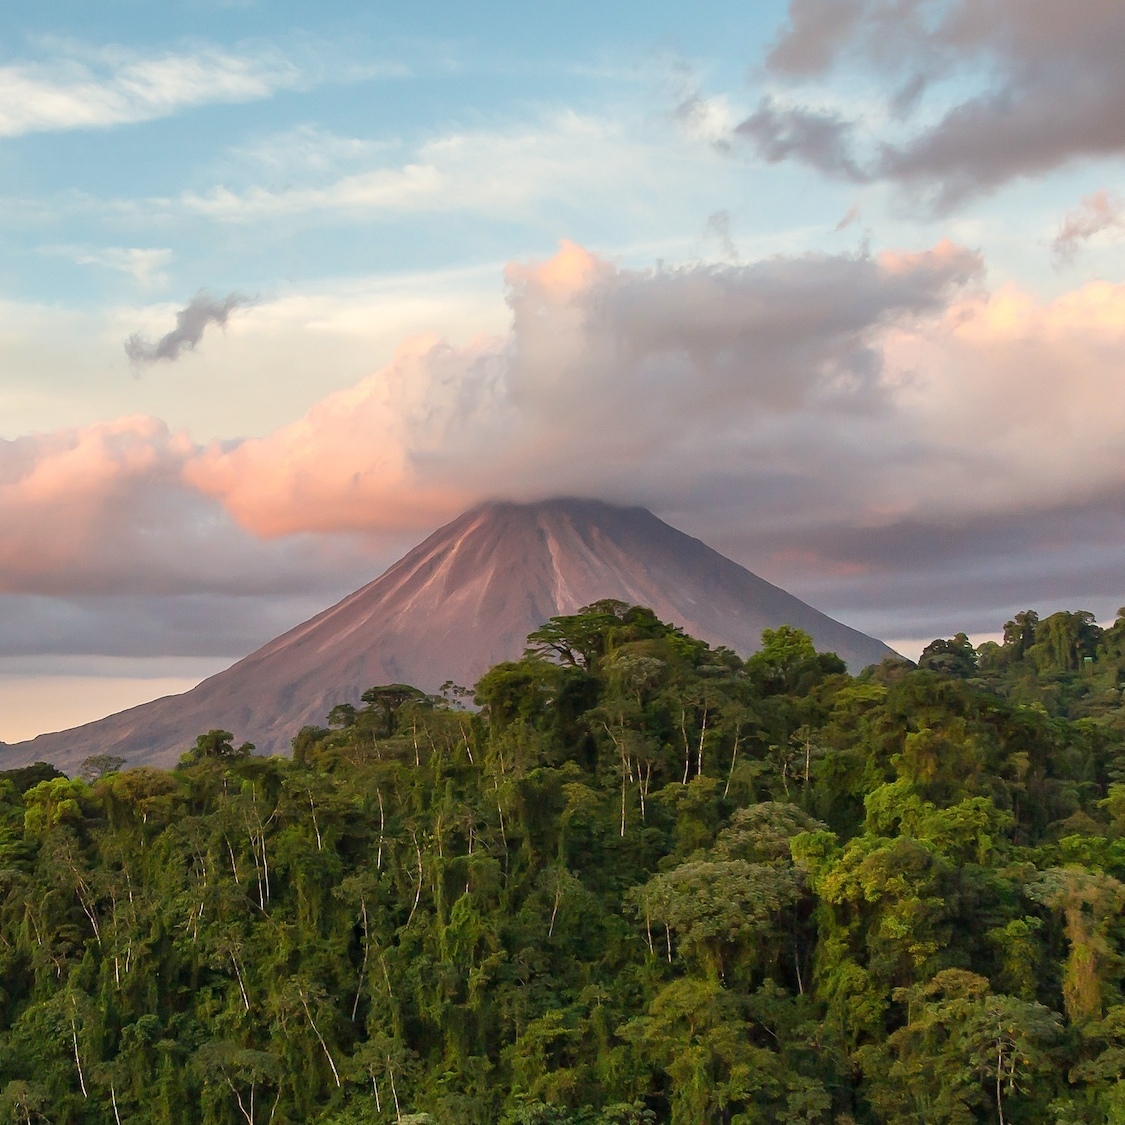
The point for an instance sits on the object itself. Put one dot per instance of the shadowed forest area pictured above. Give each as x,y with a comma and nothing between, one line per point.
643,880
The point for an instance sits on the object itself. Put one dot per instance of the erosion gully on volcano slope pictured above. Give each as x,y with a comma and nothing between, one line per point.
458,603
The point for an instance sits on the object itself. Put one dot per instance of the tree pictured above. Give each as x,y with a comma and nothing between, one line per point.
25,1102
26,777
98,766
386,702
961,1047
955,657
241,1071
578,639
1089,902
788,661
432,911
218,746
1064,640
1019,633
695,1033
717,908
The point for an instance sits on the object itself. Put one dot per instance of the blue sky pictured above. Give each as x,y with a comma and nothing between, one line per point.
834,284
310,101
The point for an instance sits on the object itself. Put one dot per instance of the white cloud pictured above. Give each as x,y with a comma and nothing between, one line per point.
65,368
121,88
503,172
305,151
145,265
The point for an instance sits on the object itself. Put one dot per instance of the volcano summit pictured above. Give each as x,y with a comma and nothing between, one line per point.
458,603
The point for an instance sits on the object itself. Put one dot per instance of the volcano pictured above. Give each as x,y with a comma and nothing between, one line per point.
458,603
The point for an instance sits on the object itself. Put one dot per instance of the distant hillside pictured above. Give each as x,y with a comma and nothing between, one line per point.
458,603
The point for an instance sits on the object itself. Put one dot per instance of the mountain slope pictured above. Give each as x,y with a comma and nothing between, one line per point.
458,603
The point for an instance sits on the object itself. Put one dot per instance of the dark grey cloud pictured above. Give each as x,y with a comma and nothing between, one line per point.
924,578
191,322
188,625
823,141
1046,80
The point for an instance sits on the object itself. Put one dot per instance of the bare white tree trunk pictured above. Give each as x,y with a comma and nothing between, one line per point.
324,1046
77,1059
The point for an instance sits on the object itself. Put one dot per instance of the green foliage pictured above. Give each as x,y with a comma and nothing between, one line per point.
955,657
646,881
963,1053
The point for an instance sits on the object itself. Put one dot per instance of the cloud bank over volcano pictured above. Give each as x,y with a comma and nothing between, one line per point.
845,424
610,379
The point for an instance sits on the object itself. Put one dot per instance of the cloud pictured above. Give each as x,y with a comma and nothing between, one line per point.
65,367
306,151
145,265
860,419
1096,214
116,87
106,550
79,504
997,90
706,119
496,172
609,379
718,229
823,140
100,525
191,321
927,578
880,433
148,626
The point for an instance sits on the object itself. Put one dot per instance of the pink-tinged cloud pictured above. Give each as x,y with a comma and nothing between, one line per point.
358,459
612,382
105,509
1095,215
74,502
1017,399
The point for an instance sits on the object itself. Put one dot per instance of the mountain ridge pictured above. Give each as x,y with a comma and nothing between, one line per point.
462,600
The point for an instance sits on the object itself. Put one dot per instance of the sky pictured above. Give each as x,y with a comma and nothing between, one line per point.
835,285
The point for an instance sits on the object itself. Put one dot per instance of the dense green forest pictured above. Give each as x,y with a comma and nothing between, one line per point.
641,881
